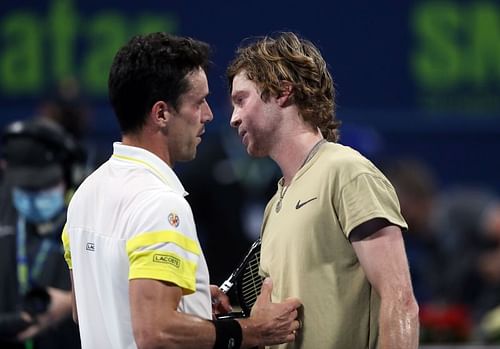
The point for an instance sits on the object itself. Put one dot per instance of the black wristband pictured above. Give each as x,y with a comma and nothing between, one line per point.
228,334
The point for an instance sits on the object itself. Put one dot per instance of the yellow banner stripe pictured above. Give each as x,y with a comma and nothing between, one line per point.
67,252
144,163
162,236
166,266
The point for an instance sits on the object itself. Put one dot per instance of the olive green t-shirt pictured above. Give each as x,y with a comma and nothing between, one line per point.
307,252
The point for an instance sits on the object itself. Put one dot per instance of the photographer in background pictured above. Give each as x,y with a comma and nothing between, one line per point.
35,298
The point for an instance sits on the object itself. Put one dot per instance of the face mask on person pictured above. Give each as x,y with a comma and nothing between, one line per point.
39,206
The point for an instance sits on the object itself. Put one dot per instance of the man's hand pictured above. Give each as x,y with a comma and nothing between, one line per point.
59,308
220,301
271,323
13,323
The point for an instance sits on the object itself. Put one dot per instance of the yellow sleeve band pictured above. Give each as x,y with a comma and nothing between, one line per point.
162,236
67,252
166,266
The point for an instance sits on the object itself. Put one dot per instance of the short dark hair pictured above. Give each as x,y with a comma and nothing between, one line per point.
151,68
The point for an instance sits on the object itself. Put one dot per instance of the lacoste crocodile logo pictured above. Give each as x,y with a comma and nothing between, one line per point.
300,204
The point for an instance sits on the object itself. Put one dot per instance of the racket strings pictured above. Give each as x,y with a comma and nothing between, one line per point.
251,281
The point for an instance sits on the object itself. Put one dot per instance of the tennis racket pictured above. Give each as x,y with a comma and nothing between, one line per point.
246,281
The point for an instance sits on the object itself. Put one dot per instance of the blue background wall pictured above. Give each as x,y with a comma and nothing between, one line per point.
414,79
419,78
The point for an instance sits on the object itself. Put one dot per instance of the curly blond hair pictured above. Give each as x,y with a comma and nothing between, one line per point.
270,61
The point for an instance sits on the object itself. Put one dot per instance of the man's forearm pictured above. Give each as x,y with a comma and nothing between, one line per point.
399,325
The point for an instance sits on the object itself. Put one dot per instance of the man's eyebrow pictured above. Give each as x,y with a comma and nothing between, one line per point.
236,93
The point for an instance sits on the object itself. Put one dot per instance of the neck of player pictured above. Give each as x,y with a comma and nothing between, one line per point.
293,152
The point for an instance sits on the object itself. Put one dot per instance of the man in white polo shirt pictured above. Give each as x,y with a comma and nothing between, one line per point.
140,279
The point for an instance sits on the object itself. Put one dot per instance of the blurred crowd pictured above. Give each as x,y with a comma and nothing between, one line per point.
453,241
453,247
43,161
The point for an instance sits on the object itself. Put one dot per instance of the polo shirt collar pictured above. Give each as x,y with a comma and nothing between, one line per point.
151,162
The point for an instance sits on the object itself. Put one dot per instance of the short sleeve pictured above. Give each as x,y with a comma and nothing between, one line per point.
366,197
162,242
67,252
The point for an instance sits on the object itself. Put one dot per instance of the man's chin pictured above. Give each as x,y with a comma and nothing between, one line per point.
255,153
187,159
187,156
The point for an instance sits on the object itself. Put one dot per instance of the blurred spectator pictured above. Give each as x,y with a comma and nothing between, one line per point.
470,221
443,318
66,106
453,247
461,218
417,191
35,300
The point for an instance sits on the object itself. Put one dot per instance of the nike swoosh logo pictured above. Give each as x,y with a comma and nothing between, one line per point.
300,204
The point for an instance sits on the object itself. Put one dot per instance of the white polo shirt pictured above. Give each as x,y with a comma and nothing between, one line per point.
128,220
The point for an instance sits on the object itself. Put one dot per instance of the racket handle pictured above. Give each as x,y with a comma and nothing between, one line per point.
232,315
226,286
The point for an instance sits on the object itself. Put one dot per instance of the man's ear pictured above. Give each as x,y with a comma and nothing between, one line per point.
286,94
161,113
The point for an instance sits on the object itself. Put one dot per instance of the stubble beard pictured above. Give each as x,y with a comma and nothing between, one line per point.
259,148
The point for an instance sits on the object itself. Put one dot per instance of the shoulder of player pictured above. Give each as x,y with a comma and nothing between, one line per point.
339,158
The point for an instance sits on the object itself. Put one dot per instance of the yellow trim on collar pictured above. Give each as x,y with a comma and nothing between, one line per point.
142,162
